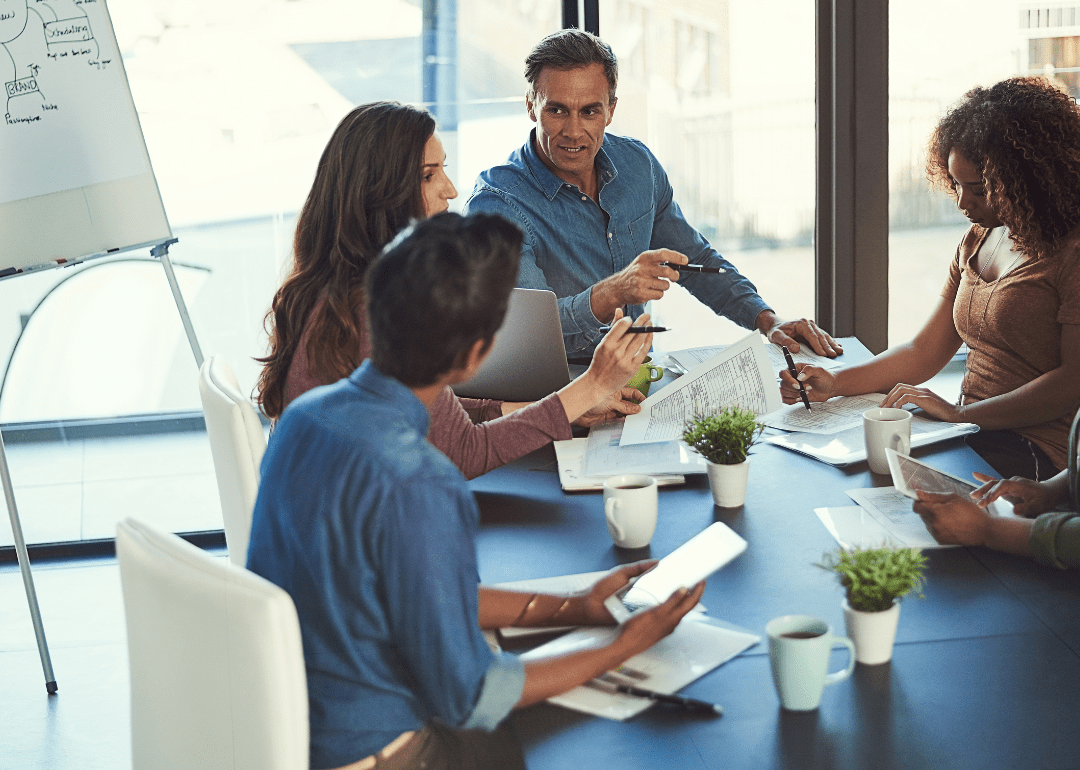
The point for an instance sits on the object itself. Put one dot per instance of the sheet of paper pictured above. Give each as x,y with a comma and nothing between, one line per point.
691,357
892,510
853,527
692,650
741,375
848,446
830,416
570,456
605,457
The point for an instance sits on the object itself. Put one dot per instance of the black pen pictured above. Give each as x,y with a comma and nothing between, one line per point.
795,373
688,704
637,329
694,268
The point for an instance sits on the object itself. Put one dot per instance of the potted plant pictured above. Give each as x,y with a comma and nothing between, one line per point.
875,579
723,439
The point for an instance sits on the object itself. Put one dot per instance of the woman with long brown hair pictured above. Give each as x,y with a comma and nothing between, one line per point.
1009,155
382,168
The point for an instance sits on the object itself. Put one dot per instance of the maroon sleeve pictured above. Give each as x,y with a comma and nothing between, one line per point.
481,409
478,448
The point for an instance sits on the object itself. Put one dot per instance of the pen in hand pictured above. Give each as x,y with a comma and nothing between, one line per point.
795,373
637,329
694,268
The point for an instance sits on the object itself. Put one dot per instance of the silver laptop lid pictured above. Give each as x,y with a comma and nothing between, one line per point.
528,360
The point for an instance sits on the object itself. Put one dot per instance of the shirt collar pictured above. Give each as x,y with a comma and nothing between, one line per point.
549,183
385,388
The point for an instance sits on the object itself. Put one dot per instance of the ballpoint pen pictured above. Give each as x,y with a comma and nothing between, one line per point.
795,373
693,268
687,704
637,329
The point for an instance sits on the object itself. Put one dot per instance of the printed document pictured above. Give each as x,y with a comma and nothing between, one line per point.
570,456
740,375
830,416
891,509
691,357
605,457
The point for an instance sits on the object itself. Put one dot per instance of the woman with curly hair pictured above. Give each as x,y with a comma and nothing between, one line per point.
382,168
1009,155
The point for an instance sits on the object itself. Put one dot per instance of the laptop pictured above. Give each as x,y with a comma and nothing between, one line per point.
528,360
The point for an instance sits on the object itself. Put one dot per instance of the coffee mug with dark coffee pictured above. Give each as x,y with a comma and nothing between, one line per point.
630,503
799,648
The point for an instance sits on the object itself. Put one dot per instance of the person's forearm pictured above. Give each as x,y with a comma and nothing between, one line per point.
546,678
502,609
1045,398
1009,535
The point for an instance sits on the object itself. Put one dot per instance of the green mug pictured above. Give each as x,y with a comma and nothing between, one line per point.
647,374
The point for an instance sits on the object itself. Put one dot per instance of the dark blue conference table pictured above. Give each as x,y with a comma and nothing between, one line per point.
985,672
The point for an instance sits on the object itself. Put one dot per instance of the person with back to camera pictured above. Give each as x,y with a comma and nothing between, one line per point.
382,168
1010,157
598,211
372,532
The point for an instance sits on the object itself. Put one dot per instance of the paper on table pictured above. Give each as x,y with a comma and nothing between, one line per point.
739,375
693,649
892,510
852,526
848,446
605,457
570,456
830,416
691,357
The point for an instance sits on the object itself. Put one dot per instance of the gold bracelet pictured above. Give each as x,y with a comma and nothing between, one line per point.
519,620
562,607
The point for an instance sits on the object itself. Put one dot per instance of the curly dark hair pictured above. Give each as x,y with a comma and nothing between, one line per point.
1023,135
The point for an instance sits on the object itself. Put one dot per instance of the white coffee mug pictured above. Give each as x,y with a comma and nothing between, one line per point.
886,429
630,509
799,649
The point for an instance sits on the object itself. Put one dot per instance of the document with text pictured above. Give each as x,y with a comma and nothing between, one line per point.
740,375
830,416
604,455
691,357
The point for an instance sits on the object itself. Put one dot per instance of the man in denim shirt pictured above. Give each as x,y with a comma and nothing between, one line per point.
598,213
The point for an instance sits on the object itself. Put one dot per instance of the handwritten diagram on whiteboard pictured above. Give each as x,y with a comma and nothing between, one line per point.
67,109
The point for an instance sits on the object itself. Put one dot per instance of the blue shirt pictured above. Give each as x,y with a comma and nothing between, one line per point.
571,242
372,533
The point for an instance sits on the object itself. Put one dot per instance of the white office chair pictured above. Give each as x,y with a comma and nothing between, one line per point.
237,443
217,667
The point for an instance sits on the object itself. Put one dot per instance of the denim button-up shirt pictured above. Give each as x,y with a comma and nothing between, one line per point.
571,242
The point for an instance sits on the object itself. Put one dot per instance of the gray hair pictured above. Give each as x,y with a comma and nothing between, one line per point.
570,49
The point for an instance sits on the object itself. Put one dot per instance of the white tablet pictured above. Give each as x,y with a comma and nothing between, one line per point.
684,567
909,474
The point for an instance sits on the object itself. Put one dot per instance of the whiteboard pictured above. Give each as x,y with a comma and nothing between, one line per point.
75,177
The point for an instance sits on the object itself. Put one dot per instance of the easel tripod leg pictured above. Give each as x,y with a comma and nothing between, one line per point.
24,567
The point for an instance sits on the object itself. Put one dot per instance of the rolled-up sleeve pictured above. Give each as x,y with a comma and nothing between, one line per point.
1055,539
502,688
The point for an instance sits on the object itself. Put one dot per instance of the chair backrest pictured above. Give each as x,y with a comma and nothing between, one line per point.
217,666
237,442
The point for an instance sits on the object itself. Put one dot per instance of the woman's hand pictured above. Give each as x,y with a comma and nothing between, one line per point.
927,400
622,403
951,519
820,384
1029,498
616,360
646,628
618,578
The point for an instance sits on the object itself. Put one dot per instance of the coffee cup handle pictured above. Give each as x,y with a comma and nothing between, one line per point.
901,444
838,676
655,373
609,513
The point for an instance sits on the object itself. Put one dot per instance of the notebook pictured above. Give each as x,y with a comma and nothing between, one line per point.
528,360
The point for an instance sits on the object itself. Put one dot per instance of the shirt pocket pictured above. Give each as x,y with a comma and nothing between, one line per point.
641,231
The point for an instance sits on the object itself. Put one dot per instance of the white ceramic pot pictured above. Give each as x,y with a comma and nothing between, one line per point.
728,483
872,632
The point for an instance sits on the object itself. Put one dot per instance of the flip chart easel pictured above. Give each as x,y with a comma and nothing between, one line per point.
77,183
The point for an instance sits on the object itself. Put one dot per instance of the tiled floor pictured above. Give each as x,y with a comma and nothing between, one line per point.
78,490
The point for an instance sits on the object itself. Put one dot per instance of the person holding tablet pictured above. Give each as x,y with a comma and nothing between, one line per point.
1009,155
382,168
372,532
